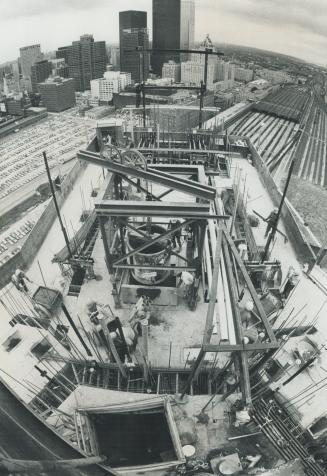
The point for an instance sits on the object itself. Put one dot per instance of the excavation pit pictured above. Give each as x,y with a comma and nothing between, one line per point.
139,434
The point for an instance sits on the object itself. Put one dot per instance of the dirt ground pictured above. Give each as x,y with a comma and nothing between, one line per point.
310,201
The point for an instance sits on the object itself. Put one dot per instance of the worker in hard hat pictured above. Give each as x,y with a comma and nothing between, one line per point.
176,236
271,221
247,314
92,310
19,280
292,279
250,333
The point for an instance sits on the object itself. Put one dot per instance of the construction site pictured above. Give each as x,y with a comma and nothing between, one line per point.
177,325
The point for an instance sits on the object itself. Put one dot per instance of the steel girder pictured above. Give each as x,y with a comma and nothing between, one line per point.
196,189
129,208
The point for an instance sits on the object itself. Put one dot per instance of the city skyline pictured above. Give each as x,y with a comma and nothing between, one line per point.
256,23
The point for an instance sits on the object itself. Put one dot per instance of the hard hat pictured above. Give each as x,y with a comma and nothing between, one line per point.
275,210
90,304
249,306
18,272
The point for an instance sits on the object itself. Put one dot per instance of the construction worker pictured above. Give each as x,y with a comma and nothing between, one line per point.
176,236
250,333
246,314
271,221
292,279
18,279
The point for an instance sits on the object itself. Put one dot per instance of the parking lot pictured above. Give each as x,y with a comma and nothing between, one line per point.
13,237
21,160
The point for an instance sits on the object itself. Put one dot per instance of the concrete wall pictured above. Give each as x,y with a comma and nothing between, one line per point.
292,223
38,233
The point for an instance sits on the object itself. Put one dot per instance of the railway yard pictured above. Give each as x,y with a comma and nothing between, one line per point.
285,125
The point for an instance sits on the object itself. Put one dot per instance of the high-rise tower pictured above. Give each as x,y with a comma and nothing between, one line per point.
28,56
173,28
132,34
86,59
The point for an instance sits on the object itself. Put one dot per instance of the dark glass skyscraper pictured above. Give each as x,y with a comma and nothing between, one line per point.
173,28
133,33
86,60
40,71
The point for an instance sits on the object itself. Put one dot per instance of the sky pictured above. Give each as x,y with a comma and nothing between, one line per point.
293,27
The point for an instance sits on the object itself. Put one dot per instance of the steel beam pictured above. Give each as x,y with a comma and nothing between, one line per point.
254,295
258,346
245,376
155,267
213,291
108,258
145,208
152,175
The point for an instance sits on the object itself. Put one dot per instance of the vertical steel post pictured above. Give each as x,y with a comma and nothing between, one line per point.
77,332
102,221
63,229
274,228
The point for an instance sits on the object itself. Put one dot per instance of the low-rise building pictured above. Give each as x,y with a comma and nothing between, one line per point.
243,74
274,76
112,82
192,73
98,112
57,93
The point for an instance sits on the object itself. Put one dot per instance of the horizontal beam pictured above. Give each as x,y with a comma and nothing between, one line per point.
188,88
259,346
206,51
182,151
155,267
131,208
152,175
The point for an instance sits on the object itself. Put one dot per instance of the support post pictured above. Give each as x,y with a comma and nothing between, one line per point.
77,332
274,228
238,325
203,228
108,259
63,229
194,371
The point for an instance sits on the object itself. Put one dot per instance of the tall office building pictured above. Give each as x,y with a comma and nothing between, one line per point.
173,28
28,56
132,34
59,67
86,60
40,71
132,61
115,57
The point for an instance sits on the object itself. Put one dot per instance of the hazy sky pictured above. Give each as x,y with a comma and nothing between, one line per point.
295,27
